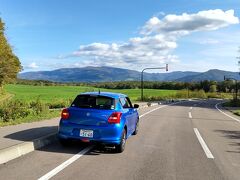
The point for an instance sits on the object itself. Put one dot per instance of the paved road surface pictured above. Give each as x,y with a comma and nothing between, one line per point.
189,140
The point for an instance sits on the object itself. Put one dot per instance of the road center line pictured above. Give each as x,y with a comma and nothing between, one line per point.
84,151
203,144
191,108
190,115
216,106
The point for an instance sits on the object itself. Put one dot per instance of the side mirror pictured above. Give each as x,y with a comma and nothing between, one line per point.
135,106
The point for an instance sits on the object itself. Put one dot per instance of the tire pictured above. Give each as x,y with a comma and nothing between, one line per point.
136,128
64,142
120,148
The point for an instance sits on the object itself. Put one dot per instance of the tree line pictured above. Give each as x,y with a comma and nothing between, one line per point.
9,62
207,86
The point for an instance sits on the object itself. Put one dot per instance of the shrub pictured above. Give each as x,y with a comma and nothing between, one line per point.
213,95
59,104
13,110
182,94
232,103
201,94
39,107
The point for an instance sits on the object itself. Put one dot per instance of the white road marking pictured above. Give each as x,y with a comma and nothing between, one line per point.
203,144
190,115
216,106
65,164
191,108
84,151
157,109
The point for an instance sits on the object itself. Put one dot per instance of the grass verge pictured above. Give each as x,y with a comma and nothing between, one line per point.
233,106
32,118
236,112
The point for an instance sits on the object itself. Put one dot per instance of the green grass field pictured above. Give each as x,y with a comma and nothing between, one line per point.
52,93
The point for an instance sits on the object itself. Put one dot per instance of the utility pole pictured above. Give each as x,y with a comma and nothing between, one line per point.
238,57
166,67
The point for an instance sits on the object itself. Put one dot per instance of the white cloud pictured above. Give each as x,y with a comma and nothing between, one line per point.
186,23
32,65
157,41
138,50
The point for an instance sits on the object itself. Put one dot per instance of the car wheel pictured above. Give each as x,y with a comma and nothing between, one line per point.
136,128
64,142
120,148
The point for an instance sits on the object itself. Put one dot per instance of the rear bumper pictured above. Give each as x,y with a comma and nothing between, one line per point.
105,135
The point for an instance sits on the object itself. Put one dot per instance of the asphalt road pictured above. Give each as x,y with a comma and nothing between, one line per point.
189,140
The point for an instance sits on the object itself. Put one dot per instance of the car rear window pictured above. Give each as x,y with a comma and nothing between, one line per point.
94,102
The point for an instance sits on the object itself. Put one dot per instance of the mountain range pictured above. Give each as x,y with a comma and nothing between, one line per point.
108,74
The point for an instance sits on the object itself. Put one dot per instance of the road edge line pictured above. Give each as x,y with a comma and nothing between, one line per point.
216,106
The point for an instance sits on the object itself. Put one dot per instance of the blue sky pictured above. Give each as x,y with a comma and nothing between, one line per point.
52,34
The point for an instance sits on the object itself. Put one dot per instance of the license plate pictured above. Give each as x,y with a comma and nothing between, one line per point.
86,133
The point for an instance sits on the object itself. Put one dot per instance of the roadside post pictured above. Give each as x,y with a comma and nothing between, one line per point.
166,67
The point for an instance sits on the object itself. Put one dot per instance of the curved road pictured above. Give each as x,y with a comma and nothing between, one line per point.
187,140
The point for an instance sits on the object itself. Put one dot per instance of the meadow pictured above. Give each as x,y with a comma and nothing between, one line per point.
50,94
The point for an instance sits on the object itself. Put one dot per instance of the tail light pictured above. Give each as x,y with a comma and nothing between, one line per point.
115,118
65,114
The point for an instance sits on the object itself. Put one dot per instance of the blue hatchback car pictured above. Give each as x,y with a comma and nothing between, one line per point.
102,117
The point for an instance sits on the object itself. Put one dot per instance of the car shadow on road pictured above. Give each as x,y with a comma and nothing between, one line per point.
234,135
56,147
31,134
99,149
75,147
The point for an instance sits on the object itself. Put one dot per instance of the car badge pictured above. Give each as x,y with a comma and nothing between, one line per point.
88,114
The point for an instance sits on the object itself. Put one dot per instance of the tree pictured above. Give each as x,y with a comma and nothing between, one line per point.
9,62
213,88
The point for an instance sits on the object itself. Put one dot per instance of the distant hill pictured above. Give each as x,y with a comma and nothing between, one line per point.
213,75
106,74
